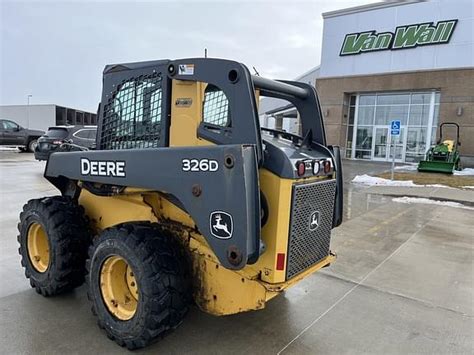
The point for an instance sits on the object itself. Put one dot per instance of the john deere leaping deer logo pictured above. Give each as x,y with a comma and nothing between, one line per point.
314,220
221,224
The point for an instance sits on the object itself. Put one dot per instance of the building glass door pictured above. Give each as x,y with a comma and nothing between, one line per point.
382,149
368,129
399,142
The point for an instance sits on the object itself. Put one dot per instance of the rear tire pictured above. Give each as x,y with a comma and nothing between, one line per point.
135,312
32,145
54,237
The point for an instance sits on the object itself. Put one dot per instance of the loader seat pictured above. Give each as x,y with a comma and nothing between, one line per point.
450,144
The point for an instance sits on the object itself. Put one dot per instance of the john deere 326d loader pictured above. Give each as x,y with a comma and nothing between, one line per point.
185,197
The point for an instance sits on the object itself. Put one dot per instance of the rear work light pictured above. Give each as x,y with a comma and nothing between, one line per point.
315,167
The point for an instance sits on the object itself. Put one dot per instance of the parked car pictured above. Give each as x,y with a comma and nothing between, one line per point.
65,138
14,135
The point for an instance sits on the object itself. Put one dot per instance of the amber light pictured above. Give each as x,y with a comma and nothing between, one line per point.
280,261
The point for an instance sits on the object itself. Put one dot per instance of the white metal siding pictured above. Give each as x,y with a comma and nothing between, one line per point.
33,116
458,53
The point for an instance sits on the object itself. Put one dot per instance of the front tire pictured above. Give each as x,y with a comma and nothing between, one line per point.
138,283
54,237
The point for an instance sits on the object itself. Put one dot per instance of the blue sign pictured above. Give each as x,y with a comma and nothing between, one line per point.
395,127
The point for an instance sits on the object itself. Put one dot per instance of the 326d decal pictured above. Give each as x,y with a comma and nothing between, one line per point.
200,165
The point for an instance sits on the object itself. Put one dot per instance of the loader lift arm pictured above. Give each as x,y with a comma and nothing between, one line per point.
233,188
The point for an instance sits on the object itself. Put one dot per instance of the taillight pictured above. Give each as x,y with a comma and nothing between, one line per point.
280,261
300,168
327,166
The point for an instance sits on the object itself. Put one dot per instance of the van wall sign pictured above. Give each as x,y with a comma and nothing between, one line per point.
408,36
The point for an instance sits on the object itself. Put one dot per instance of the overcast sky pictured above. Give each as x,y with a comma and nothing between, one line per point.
56,51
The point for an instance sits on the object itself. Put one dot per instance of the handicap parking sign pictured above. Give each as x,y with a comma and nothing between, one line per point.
395,127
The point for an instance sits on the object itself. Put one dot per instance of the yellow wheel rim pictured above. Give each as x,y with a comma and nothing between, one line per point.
119,287
38,247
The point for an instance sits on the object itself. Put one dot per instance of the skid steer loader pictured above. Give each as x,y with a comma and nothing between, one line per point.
185,198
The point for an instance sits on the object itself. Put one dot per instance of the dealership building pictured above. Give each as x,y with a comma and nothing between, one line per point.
46,115
407,61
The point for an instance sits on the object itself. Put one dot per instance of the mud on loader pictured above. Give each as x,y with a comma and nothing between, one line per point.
185,198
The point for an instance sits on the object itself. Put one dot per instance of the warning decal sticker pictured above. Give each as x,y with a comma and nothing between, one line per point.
186,69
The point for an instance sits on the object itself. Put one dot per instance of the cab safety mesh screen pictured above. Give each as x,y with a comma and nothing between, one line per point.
132,117
215,107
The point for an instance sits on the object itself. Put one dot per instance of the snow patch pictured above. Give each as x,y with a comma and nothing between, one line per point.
414,167
466,171
427,201
467,187
9,149
377,181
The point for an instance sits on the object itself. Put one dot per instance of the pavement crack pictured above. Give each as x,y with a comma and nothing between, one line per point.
393,293
356,285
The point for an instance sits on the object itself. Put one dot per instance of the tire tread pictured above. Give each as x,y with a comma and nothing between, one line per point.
68,234
160,252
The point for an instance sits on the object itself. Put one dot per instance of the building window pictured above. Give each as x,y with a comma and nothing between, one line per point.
368,132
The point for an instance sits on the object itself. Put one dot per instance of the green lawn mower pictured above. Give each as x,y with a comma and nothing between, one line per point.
444,156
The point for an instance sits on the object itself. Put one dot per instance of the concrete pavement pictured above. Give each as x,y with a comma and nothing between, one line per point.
402,283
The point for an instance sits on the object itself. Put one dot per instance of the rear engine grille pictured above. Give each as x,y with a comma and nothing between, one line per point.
310,225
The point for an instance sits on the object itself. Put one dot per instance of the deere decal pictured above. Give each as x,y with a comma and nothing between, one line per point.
409,36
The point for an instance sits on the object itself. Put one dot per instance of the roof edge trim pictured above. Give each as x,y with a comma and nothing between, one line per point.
369,7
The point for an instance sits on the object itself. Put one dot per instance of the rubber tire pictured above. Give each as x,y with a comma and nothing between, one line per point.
161,269
32,145
458,166
69,238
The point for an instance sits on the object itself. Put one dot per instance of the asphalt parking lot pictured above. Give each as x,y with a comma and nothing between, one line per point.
402,283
